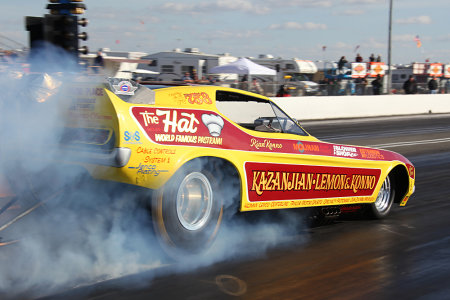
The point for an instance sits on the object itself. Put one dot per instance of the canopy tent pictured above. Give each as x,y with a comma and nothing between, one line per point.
243,66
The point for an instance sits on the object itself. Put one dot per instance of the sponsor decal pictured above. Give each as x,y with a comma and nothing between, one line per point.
124,88
411,171
132,137
198,98
150,155
299,147
185,123
306,203
371,154
144,150
165,151
344,151
156,160
178,97
214,123
308,147
267,181
82,104
265,144
146,169
173,126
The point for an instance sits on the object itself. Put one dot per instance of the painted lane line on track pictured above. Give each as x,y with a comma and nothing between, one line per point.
392,145
387,134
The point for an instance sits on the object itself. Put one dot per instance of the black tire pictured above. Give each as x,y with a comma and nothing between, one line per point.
188,210
383,204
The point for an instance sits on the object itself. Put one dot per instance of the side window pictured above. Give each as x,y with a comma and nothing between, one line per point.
255,113
167,69
187,69
290,67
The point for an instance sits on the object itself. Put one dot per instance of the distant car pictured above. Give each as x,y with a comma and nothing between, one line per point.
206,150
302,85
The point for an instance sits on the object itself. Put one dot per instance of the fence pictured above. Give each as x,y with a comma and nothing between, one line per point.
338,89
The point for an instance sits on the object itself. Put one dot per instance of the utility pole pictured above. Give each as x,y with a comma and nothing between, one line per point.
389,79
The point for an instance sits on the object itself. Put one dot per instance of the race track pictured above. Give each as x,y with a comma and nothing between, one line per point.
405,256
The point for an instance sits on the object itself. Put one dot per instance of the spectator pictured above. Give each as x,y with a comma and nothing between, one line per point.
334,87
377,84
98,62
443,85
256,87
379,58
194,75
187,77
352,87
410,85
203,80
243,84
433,85
361,86
211,79
341,87
324,86
372,57
358,58
283,92
364,84
341,64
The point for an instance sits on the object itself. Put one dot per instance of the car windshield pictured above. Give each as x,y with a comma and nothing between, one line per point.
256,113
299,77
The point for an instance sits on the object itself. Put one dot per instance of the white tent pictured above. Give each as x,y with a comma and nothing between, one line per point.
243,66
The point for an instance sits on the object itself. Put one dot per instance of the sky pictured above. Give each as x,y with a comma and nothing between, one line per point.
304,29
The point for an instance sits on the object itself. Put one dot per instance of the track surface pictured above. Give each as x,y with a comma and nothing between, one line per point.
403,257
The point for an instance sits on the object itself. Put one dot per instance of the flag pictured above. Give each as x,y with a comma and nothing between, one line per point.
418,42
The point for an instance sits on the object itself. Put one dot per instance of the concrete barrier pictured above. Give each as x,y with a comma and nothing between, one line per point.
338,107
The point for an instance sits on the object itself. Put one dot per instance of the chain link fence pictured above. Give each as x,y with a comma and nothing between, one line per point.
336,89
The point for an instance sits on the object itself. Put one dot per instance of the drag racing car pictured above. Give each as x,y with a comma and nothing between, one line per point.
204,151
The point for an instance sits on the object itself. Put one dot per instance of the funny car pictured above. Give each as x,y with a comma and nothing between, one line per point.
204,151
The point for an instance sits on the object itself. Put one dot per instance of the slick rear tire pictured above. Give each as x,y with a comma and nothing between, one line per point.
187,212
383,204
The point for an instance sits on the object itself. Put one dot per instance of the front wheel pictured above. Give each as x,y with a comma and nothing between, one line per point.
187,211
383,204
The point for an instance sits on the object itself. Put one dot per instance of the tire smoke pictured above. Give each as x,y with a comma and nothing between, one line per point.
76,231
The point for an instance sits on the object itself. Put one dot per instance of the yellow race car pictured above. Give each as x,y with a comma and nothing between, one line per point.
204,151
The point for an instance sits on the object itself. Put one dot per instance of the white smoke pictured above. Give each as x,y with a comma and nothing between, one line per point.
86,231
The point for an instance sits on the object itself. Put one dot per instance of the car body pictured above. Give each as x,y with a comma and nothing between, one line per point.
203,150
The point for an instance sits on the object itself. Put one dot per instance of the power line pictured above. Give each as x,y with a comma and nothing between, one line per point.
11,40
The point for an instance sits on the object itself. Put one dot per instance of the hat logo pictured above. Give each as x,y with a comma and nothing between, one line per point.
214,124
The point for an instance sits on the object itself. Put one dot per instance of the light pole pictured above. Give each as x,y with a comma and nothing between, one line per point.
389,81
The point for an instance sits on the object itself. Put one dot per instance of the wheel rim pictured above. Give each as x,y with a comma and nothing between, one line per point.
384,196
194,201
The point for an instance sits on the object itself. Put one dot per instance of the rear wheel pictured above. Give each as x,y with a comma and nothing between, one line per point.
383,204
188,210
